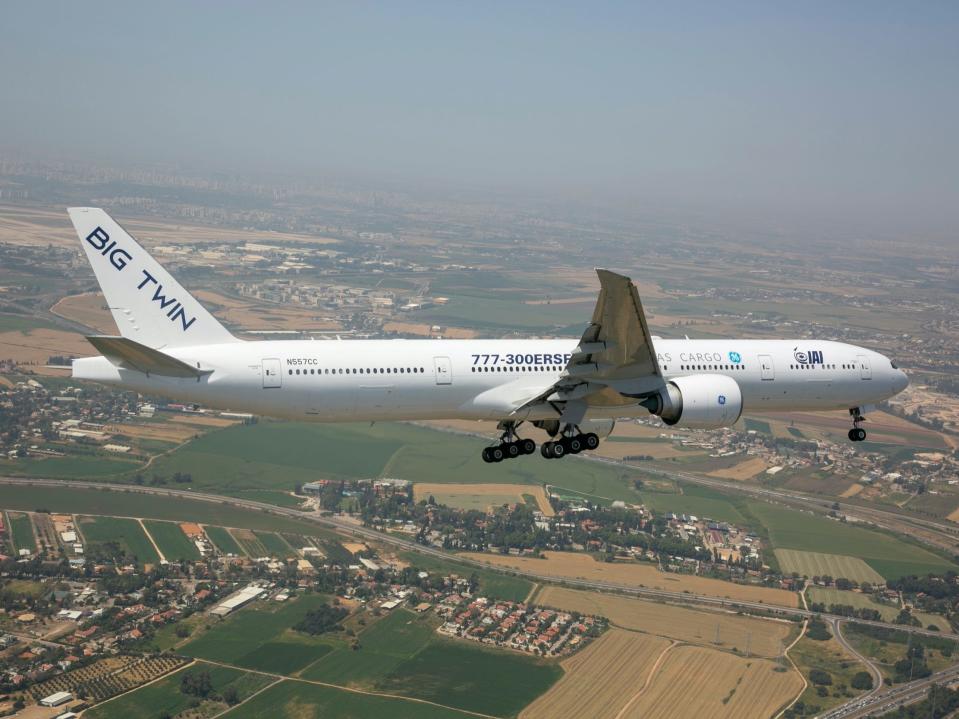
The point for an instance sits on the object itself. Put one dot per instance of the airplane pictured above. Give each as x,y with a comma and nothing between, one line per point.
170,345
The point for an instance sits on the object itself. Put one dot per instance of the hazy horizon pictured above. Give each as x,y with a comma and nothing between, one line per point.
822,114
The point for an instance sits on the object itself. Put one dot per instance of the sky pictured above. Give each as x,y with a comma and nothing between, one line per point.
835,111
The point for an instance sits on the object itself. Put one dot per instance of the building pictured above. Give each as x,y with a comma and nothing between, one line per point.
237,600
55,700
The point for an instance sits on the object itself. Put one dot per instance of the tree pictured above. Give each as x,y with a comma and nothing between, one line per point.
820,677
861,680
231,696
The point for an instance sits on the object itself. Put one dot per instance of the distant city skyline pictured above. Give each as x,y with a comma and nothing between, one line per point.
839,116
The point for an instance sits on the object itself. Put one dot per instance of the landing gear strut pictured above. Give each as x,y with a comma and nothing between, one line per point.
510,446
857,433
571,441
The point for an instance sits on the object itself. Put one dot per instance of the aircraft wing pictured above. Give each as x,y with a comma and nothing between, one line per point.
614,363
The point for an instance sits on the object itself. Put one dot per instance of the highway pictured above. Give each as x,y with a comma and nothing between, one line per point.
875,704
401,543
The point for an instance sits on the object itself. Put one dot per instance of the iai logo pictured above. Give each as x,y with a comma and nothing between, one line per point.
721,399
811,357
735,357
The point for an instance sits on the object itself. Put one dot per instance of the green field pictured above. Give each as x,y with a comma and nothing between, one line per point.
467,676
693,499
128,503
74,467
260,637
491,584
21,529
251,545
274,457
757,425
275,545
126,533
817,564
890,557
223,540
299,700
828,595
165,698
171,540
383,647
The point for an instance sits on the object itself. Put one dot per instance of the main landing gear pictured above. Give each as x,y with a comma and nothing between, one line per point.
857,433
571,441
510,446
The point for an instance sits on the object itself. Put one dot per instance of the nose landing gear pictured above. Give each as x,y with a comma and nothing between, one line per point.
857,433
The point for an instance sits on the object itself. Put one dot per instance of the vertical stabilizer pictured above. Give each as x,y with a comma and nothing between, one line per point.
148,305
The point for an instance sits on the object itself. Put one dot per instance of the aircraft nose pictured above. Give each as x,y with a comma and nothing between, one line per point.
900,381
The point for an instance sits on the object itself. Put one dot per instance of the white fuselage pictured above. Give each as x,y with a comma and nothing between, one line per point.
342,381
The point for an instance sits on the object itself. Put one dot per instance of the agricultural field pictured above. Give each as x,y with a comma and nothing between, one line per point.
102,533
817,564
731,632
173,543
888,556
21,529
602,679
165,698
583,566
106,678
129,503
459,674
250,542
383,647
223,540
298,700
261,637
482,496
700,681
275,545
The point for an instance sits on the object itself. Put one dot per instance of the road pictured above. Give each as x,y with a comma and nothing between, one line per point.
401,543
875,704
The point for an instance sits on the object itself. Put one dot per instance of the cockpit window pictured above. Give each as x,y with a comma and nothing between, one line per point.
894,365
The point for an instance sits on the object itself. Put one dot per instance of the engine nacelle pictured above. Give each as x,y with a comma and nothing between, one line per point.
701,401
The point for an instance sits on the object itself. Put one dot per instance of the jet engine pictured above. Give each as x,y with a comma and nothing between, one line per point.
702,401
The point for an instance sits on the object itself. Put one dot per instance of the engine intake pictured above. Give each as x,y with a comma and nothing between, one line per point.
701,401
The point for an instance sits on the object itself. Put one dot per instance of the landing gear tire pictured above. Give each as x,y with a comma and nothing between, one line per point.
857,434
488,455
513,449
590,440
575,444
527,446
546,449
497,453
559,449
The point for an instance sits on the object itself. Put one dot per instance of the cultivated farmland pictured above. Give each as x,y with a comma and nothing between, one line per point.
817,564
108,677
697,681
126,534
890,556
765,637
250,542
22,529
583,566
275,545
603,678
164,698
171,540
298,700
482,496
223,540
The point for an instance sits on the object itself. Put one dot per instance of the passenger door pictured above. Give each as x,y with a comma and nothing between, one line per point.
272,373
865,370
766,368
443,369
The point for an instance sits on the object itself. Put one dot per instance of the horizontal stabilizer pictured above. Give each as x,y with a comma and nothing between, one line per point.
124,352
